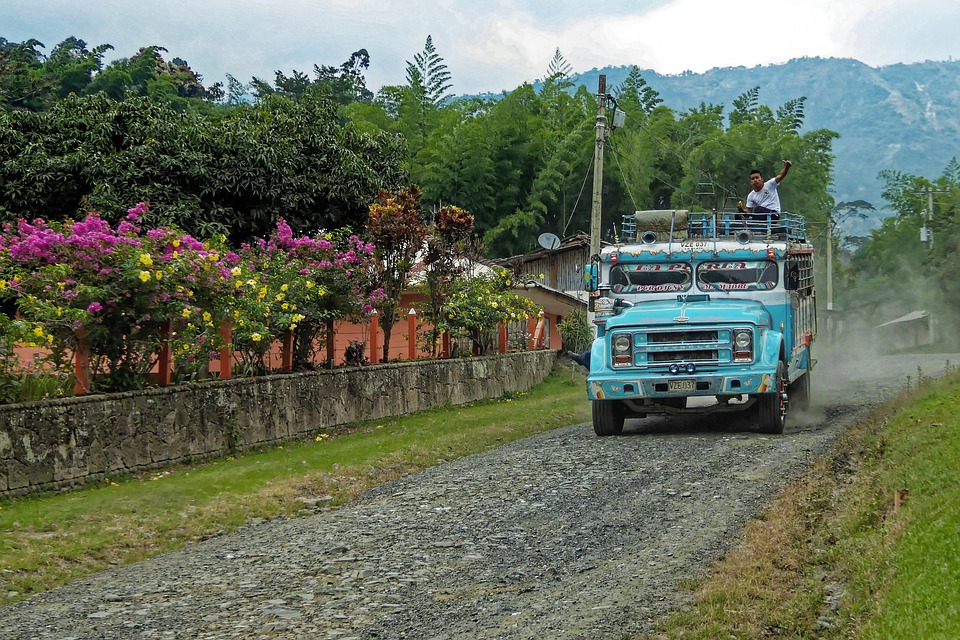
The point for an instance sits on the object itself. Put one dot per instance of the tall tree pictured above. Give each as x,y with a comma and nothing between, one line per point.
635,96
228,173
559,67
23,82
428,75
397,230
73,66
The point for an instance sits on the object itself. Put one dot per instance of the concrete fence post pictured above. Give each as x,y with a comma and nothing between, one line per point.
412,334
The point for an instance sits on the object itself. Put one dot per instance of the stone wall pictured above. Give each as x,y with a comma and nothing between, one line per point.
63,443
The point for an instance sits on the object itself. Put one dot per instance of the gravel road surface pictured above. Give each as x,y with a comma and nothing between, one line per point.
562,535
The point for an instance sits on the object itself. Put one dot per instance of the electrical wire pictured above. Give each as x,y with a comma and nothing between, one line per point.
584,184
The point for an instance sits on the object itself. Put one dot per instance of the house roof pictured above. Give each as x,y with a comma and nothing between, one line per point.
552,301
575,242
910,317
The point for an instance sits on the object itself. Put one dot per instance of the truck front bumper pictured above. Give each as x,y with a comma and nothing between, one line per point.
633,385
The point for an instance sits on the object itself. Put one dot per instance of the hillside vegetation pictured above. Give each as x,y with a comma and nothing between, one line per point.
903,117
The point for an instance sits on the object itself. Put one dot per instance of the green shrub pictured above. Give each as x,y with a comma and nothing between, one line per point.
575,332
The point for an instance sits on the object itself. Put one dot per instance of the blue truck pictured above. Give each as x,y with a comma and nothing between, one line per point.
702,312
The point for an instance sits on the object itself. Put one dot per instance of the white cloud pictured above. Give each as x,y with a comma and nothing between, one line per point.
497,44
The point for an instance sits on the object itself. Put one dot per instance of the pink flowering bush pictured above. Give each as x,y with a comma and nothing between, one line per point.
300,285
117,288
114,287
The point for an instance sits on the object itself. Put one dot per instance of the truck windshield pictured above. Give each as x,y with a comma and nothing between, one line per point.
737,276
650,278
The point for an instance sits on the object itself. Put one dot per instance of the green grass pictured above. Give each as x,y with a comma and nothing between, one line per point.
50,539
864,546
923,456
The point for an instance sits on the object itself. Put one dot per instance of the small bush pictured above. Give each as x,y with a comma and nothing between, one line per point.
575,332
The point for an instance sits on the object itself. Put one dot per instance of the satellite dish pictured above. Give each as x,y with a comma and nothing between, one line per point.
548,241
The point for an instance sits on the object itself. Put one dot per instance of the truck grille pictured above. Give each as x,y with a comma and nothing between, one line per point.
703,346
683,356
683,336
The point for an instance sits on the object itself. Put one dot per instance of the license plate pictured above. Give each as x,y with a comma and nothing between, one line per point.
680,386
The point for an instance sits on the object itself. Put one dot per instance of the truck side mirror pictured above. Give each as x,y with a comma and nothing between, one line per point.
591,277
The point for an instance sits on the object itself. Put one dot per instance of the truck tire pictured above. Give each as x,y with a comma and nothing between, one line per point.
773,406
607,417
799,392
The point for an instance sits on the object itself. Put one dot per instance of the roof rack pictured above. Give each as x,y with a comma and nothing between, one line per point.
669,224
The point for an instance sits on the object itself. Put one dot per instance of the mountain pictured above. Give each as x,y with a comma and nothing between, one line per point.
903,116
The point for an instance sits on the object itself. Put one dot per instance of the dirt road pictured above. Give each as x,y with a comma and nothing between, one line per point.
563,535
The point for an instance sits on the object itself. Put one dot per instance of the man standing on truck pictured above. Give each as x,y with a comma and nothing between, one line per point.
764,197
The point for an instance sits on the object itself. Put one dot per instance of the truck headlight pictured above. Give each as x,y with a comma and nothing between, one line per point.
742,346
622,345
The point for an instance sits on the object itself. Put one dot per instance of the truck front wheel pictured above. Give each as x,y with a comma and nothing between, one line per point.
773,406
607,417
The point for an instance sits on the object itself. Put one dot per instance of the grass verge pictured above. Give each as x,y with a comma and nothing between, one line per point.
864,546
48,540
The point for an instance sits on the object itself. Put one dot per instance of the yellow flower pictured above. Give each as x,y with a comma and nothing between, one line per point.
540,276
309,284
494,304
213,257
38,331
176,242
292,327
236,314
49,339
223,238
252,282
279,297
285,306
176,254
238,284
235,272
146,260
206,316
241,322
262,293
321,292
284,287
158,275
145,276
186,313
3,285
256,337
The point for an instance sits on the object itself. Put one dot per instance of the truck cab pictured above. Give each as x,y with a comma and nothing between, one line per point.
700,313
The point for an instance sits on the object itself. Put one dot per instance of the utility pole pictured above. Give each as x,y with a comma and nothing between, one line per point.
926,231
830,261
598,167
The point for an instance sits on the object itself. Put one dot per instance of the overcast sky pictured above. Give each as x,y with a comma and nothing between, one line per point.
493,45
